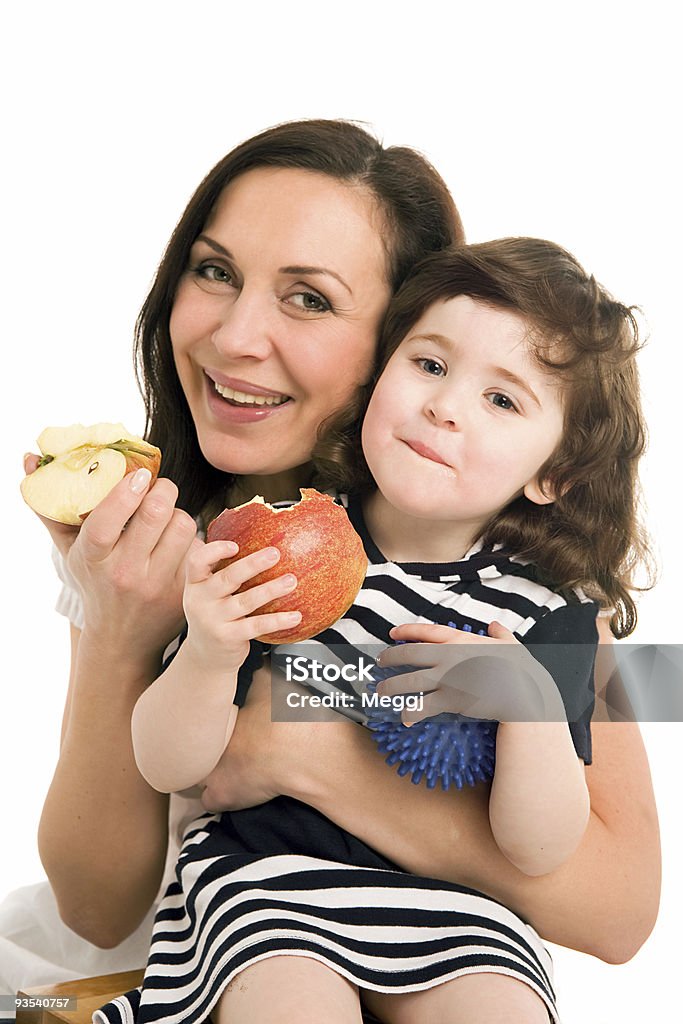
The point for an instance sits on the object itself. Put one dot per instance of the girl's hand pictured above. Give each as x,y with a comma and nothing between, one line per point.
220,621
486,677
128,559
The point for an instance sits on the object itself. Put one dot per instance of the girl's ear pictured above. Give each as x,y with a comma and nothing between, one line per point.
540,494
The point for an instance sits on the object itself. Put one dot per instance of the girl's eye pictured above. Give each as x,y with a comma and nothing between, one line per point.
432,367
502,401
309,302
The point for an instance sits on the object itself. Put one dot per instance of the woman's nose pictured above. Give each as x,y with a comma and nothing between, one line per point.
242,329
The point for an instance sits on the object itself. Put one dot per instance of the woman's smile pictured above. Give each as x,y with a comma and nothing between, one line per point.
230,405
275,321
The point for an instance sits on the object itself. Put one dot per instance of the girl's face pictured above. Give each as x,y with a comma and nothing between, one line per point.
462,418
274,323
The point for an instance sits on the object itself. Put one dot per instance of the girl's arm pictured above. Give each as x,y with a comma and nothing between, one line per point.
183,722
539,803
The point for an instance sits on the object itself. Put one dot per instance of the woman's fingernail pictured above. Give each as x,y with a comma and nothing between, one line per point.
140,481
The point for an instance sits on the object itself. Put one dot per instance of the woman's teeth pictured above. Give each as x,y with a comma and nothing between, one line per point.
244,399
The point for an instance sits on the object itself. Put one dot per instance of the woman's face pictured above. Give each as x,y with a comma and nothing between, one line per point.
275,319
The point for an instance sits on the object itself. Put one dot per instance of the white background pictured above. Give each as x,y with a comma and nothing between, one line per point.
555,120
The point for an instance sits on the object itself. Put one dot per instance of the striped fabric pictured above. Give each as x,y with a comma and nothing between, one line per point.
383,930
281,879
488,584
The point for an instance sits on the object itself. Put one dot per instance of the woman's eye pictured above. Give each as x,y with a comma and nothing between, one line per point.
310,302
432,367
502,401
213,275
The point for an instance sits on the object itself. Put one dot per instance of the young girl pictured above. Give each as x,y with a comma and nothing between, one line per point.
477,505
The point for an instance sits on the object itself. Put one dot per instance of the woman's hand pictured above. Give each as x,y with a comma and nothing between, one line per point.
487,677
128,559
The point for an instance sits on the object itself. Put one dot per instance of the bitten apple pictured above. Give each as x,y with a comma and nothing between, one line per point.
79,467
316,542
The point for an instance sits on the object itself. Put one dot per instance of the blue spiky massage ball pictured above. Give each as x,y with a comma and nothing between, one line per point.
450,749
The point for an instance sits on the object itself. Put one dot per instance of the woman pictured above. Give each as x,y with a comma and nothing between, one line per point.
318,225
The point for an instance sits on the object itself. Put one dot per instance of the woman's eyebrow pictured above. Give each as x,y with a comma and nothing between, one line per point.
316,270
293,270
216,246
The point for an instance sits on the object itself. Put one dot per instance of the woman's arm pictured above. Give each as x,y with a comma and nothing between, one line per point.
602,901
104,831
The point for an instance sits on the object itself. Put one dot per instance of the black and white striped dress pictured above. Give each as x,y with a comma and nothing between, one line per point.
283,879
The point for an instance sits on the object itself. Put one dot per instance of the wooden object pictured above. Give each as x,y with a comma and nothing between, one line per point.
90,993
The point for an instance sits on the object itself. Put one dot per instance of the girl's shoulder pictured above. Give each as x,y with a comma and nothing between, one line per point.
557,595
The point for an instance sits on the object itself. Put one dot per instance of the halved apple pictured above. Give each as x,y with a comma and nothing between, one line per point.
80,466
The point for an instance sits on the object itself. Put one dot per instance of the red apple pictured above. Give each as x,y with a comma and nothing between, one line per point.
79,467
316,542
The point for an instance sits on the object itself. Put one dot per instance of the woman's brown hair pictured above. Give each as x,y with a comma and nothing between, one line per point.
590,536
419,217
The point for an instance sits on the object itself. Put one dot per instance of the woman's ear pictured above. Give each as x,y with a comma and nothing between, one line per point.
541,493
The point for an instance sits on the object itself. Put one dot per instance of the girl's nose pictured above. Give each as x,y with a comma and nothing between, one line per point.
443,409
242,329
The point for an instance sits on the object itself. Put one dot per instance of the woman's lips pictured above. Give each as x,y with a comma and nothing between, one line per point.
236,384
427,453
227,412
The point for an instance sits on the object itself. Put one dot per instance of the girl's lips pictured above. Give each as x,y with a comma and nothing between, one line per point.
225,412
427,453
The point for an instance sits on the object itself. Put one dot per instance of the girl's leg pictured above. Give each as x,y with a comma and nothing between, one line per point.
283,989
470,999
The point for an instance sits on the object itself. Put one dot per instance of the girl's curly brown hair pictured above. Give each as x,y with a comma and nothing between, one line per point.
591,535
